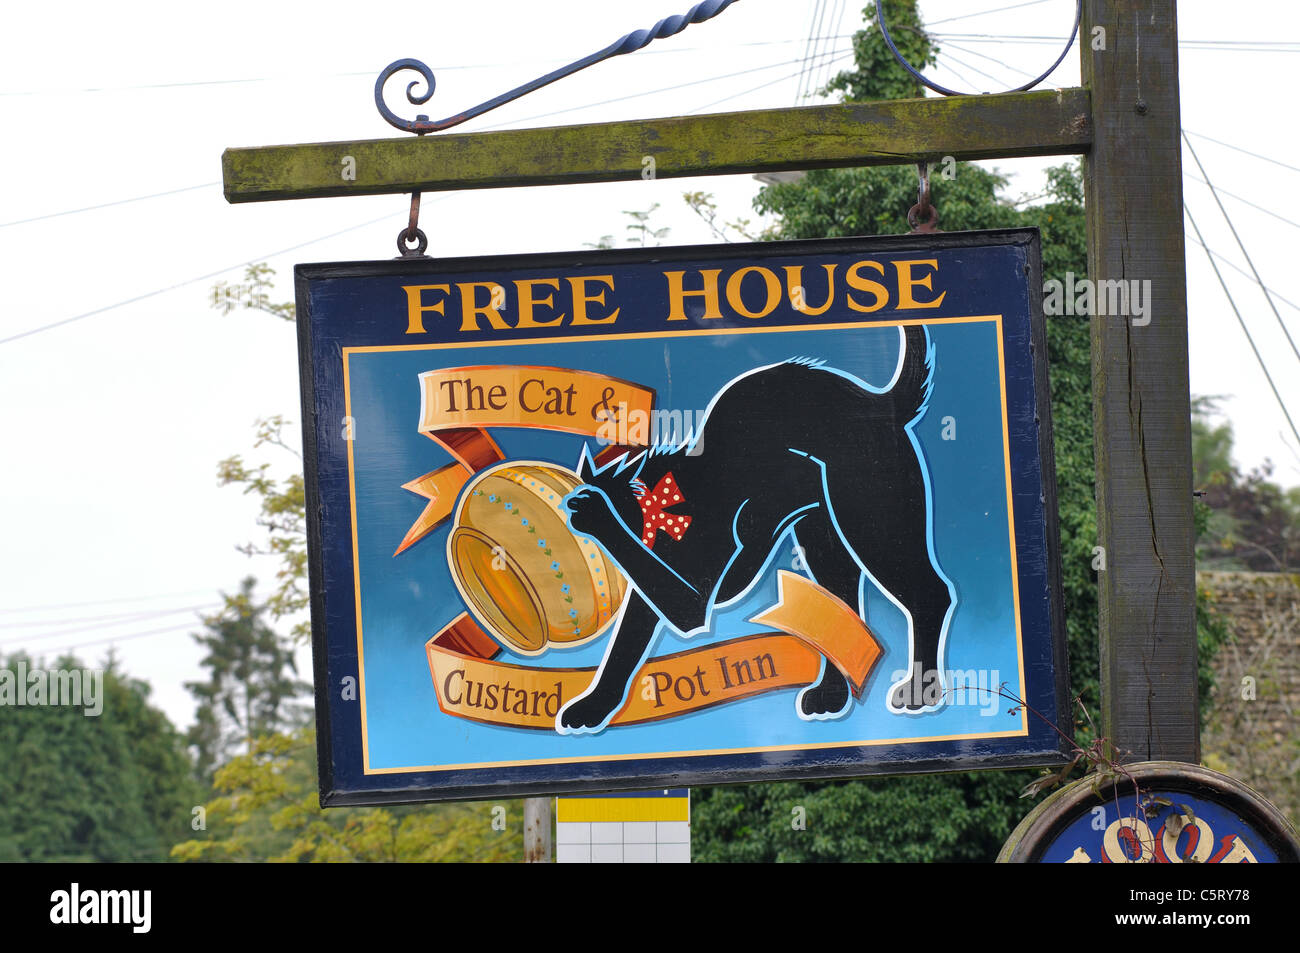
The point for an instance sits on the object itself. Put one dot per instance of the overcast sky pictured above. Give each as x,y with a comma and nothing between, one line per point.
115,529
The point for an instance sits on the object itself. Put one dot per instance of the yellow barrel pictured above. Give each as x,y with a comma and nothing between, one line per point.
528,579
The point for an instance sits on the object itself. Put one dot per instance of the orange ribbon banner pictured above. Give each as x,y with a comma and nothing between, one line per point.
519,696
550,398
813,614
457,404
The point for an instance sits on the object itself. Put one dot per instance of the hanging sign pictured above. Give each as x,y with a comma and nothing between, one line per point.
1156,812
644,518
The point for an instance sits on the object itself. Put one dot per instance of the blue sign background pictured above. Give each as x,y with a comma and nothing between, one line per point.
1222,824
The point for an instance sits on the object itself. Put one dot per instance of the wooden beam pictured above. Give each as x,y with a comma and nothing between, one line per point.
1141,404
1051,122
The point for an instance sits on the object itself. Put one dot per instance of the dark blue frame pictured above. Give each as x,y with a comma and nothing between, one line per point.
994,272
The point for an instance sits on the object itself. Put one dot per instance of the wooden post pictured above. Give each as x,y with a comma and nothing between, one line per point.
1141,402
537,830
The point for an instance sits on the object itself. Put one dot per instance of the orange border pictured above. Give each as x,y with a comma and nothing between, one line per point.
996,319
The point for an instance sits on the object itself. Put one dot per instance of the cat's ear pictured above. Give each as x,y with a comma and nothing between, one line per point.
586,465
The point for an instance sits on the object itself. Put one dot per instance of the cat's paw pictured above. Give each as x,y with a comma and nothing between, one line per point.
590,512
585,715
827,698
919,692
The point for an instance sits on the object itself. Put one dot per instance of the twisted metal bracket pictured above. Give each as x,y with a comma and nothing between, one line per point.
669,26
884,31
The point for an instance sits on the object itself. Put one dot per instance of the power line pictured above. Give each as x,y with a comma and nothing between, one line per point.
121,638
1263,44
372,73
1242,46
136,614
1243,271
967,16
824,60
824,75
1242,246
649,92
1245,201
995,38
1258,46
1262,366
91,208
971,66
992,59
188,281
1226,46
189,188
77,630
180,84
810,46
754,89
1201,135
960,76
820,63
105,602
213,274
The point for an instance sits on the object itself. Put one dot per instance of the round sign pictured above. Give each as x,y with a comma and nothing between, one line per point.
1162,812
529,580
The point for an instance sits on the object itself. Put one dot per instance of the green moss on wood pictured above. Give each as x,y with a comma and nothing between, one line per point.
1050,122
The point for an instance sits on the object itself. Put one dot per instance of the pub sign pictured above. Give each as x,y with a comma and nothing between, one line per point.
675,516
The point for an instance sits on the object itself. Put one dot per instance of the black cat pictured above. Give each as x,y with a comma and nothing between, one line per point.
794,445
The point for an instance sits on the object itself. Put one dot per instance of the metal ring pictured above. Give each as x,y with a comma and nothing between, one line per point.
884,30
929,223
421,243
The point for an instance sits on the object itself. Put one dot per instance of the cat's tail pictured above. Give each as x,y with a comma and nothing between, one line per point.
915,378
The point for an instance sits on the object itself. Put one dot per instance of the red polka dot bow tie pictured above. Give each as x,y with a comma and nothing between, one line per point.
653,504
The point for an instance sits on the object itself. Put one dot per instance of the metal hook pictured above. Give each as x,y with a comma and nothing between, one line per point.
412,233
923,216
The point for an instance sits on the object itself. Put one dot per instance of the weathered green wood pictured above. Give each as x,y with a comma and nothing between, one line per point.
1141,405
1050,122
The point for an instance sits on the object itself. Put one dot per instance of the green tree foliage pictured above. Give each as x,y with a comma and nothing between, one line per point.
115,787
263,802
933,818
959,817
282,498
283,512
1211,443
253,292
250,685
266,808
639,231
876,74
1249,521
